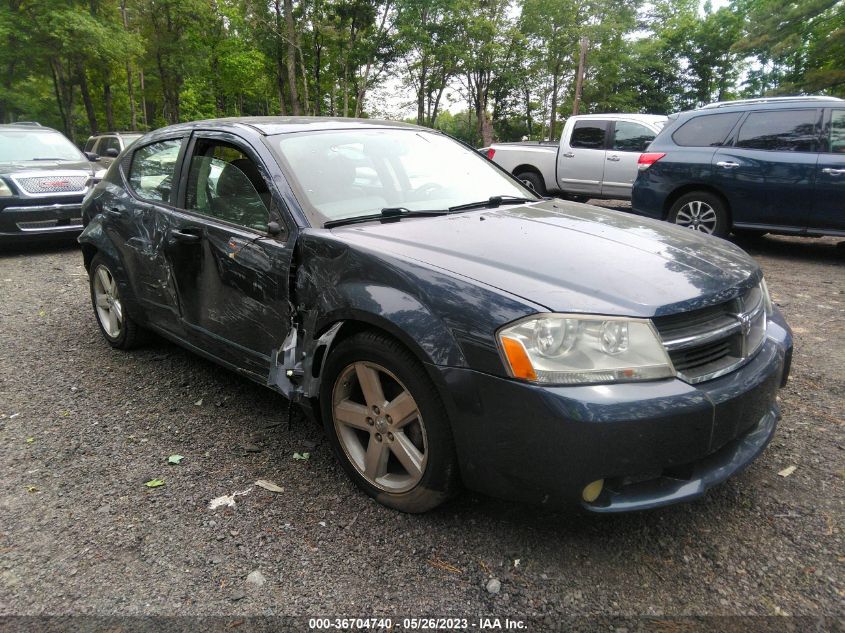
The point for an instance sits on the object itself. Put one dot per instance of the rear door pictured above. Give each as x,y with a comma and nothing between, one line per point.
231,276
628,139
768,174
581,157
828,211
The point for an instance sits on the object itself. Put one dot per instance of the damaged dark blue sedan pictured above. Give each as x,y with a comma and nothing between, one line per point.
445,324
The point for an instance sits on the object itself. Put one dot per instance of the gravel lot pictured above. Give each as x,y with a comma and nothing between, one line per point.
83,427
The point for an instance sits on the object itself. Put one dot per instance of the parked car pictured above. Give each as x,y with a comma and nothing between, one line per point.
443,322
108,146
596,157
43,178
773,165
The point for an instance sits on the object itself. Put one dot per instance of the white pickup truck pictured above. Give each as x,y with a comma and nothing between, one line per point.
596,157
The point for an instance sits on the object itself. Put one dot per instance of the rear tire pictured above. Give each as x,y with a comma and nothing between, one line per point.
117,327
533,181
701,211
387,424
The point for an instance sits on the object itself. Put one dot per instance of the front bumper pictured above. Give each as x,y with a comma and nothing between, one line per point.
24,220
653,443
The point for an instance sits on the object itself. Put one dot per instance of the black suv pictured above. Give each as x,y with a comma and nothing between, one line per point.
43,179
772,165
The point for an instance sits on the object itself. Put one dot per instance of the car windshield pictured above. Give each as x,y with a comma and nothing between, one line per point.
343,174
25,145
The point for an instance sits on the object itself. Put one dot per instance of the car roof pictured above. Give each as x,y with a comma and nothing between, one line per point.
125,133
764,103
634,116
270,125
27,127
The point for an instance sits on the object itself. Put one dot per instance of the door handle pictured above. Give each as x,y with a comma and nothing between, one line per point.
185,237
615,159
569,155
727,164
833,172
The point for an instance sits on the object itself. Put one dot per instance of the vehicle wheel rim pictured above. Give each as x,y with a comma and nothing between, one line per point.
379,426
107,302
528,184
698,216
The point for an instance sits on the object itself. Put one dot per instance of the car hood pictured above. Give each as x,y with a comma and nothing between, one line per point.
46,166
570,257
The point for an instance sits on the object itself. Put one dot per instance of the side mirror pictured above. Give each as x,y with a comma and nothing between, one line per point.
92,156
274,229
112,152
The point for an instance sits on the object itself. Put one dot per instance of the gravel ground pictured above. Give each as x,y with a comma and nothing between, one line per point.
83,427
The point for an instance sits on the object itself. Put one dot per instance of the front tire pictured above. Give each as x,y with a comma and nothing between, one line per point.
701,211
533,181
117,327
387,424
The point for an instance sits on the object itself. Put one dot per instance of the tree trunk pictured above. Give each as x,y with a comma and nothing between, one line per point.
143,99
280,84
63,88
291,56
553,115
108,106
133,116
86,99
308,109
421,92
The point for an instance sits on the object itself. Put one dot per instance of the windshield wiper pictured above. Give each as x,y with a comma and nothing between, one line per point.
386,214
42,158
492,202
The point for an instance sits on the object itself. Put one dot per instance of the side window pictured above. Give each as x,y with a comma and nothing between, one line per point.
589,134
779,130
837,131
152,168
109,142
707,130
89,145
224,183
631,137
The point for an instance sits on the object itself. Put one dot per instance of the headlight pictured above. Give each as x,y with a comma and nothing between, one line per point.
5,190
569,349
100,174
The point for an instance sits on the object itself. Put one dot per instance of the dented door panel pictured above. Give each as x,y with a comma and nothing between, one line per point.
232,289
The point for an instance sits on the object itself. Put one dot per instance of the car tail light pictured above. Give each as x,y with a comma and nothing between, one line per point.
491,153
648,159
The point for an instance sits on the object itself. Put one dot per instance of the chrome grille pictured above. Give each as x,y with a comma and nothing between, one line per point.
52,183
710,342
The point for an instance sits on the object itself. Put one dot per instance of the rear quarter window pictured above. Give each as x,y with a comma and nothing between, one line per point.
707,130
779,131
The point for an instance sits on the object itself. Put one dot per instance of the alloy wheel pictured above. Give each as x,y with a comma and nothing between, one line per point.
379,427
107,302
697,215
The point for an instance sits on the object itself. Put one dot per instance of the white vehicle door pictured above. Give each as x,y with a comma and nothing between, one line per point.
581,158
628,140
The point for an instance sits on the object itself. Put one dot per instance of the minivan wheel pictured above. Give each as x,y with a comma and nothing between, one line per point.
387,424
533,181
118,328
701,211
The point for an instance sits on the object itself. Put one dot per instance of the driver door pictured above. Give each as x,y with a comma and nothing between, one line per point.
231,276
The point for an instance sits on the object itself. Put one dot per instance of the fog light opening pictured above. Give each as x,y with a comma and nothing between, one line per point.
592,491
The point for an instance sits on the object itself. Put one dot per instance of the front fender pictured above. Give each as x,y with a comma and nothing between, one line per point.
400,314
